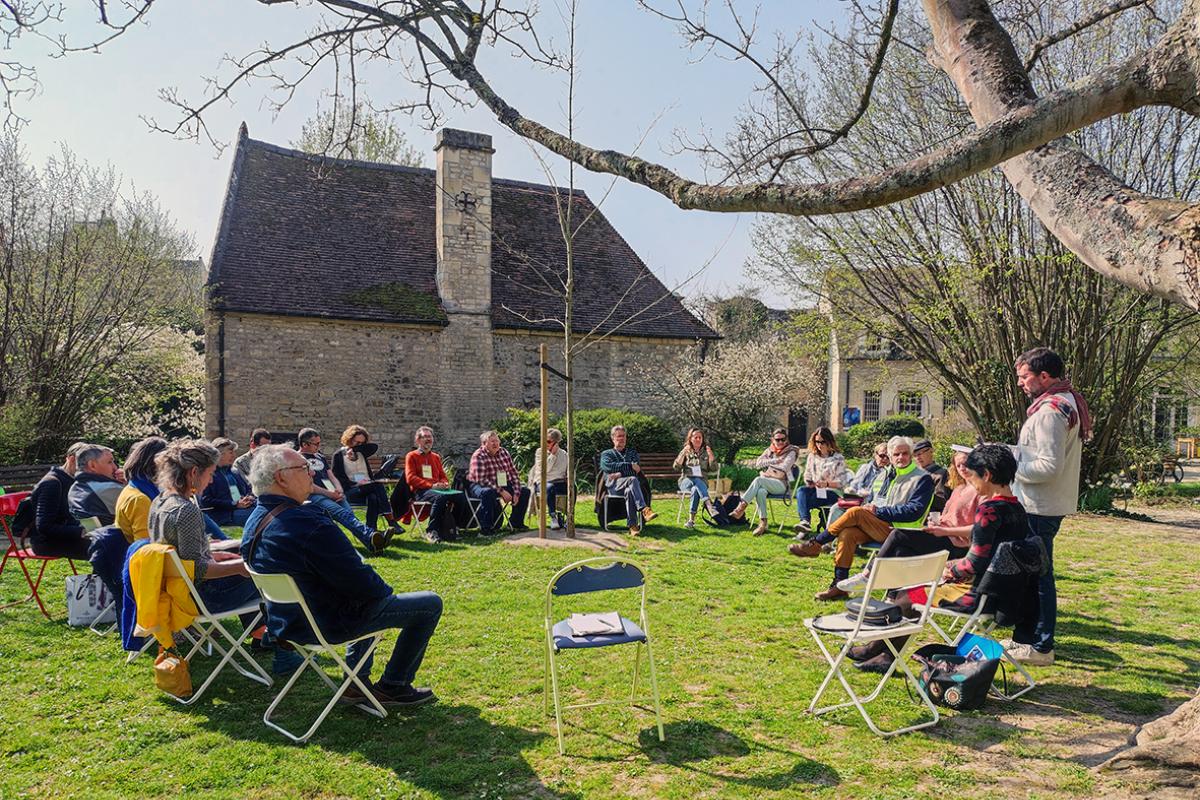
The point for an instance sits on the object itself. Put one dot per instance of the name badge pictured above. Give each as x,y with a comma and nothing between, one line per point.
698,472
426,471
822,494
501,479
327,484
234,492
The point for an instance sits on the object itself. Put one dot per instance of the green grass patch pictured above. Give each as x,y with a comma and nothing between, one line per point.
736,672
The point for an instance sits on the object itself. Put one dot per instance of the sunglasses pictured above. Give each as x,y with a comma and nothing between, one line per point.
780,439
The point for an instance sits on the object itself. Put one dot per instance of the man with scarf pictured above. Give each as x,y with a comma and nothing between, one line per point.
1047,483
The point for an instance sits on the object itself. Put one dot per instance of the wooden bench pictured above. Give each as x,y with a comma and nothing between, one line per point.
22,477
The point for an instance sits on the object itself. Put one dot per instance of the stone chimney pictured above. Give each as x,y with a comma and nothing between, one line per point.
464,220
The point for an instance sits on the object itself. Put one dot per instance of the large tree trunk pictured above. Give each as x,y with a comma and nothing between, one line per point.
1167,750
1149,243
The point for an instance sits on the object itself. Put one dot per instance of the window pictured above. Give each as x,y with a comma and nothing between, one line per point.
870,407
949,403
911,403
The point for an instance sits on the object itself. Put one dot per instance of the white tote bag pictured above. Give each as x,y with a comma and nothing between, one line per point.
87,599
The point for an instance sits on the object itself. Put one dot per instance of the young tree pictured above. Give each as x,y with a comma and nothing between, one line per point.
90,275
350,129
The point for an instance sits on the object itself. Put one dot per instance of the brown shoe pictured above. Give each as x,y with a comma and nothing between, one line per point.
830,594
634,531
760,528
809,549
648,513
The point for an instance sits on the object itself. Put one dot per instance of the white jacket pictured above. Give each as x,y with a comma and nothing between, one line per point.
1047,481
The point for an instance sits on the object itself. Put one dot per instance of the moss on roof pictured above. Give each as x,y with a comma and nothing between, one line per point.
399,299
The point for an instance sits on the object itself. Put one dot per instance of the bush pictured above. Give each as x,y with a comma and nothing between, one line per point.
18,432
520,431
899,425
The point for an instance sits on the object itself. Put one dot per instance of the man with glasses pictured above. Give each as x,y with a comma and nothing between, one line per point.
327,494
347,598
425,476
865,480
622,470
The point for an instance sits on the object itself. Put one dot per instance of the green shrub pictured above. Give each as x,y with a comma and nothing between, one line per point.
741,476
520,431
899,425
18,432
858,440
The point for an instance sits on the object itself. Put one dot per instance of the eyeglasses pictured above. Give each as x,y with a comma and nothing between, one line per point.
822,441
780,438
294,466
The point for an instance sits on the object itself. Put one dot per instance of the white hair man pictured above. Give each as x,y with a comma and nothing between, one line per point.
495,480
902,501
98,484
347,598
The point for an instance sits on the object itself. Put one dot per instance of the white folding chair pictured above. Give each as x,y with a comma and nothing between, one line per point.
887,574
603,573
211,631
417,509
280,588
954,626
686,496
104,629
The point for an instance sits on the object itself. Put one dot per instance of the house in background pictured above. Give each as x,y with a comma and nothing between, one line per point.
871,378
345,292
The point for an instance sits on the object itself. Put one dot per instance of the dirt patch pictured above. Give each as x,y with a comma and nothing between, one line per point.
584,538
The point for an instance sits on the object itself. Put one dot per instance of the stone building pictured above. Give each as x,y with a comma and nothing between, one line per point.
350,292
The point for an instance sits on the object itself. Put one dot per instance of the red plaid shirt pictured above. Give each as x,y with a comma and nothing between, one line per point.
484,467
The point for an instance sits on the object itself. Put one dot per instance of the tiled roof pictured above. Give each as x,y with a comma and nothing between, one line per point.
310,236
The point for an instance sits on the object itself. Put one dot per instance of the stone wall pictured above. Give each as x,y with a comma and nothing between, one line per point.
283,373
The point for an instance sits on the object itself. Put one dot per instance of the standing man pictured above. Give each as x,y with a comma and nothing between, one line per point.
494,478
426,478
328,495
258,438
923,455
1047,483
622,470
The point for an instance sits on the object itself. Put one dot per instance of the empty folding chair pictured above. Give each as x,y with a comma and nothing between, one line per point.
211,632
596,575
851,629
279,588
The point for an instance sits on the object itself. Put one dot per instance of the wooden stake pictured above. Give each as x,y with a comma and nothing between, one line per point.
542,510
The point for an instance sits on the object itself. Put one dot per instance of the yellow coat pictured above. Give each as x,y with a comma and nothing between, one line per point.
133,513
164,604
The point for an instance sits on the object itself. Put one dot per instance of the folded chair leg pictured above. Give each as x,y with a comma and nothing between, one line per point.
654,691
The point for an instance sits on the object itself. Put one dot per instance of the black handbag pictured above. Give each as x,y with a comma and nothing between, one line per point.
953,681
880,613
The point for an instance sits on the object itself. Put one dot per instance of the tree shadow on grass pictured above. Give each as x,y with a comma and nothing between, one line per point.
690,743
447,749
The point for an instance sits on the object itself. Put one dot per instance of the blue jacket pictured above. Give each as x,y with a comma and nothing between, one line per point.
217,500
127,621
338,586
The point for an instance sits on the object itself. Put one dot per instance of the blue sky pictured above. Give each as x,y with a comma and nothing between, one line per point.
634,75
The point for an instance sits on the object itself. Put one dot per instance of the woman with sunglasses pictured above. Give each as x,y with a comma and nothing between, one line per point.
825,472
775,465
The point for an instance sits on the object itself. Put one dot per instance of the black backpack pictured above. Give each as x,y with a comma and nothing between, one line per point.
953,681
724,509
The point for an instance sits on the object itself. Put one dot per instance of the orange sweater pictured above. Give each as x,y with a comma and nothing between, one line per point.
414,473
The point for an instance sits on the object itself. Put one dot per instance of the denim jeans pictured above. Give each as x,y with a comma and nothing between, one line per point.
807,500
631,489
554,490
212,528
489,506
342,514
416,614
697,486
1041,635
374,497
228,593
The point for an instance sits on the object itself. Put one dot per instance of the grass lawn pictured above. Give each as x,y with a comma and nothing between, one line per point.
736,673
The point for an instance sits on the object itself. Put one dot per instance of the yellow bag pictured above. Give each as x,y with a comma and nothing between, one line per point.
171,673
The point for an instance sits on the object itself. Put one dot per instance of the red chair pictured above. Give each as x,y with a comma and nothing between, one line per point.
8,508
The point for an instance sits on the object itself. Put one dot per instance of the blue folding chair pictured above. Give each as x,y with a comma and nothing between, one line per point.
596,575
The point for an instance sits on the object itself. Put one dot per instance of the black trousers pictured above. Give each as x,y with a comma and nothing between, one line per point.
455,504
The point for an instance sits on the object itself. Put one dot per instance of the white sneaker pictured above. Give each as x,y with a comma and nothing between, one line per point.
554,524
1026,654
854,582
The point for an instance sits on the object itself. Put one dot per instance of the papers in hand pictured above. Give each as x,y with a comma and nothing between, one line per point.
595,624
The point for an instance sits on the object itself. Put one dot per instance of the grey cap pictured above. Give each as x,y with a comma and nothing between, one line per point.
921,444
